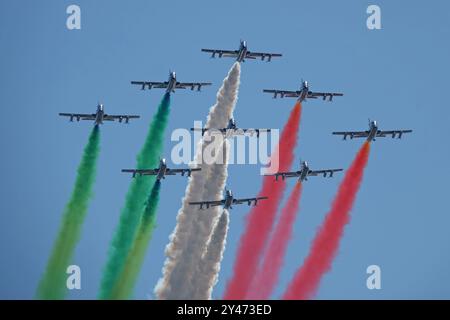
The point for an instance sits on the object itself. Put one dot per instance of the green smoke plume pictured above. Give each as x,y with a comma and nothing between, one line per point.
53,281
135,200
127,280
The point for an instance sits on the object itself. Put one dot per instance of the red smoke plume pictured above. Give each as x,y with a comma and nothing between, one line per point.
325,245
265,280
260,218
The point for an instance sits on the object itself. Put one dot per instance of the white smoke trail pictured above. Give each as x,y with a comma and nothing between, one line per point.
207,275
179,264
202,228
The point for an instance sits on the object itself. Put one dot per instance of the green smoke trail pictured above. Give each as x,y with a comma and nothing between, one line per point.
53,281
135,200
124,286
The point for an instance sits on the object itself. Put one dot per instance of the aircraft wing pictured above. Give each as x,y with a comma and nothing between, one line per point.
222,53
330,172
252,131
208,203
120,117
283,93
151,84
79,116
258,131
191,85
203,130
235,131
248,200
324,95
290,174
392,133
262,55
181,171
352,134
142,172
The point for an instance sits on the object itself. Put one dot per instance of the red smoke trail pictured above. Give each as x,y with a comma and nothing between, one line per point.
260,218
325,245
267,276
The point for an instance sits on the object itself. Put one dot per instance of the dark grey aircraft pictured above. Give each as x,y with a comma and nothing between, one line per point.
303,93
161,172
171,84
242,53
232,129
372,133
99,116
304,173
228,201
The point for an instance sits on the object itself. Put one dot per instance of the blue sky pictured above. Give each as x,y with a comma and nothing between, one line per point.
397,75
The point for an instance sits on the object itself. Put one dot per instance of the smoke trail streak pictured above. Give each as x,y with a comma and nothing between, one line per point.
326,243
261,218
209,267
136,197
124,286
267,276
178,263
202,229
53,283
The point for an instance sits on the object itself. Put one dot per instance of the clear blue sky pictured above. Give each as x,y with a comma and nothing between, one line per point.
397,75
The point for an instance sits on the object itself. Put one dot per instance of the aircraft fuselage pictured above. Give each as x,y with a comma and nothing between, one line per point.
228,199
242,52
172,82
303,92
99,115
304,172
162,170
372,131
231,125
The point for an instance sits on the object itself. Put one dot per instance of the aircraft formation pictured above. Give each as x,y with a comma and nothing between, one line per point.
241,55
